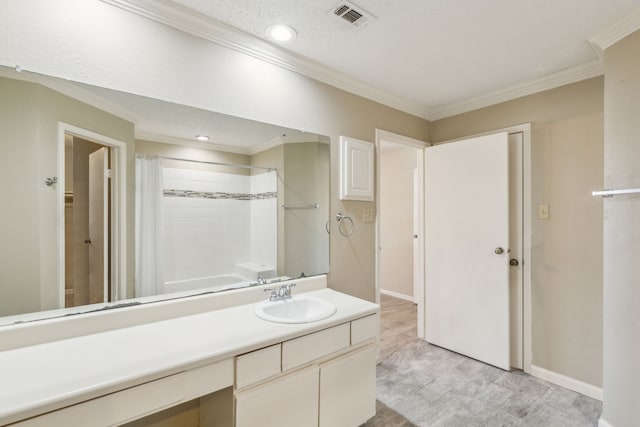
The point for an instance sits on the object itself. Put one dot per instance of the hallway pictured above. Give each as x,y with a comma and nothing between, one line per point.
419,384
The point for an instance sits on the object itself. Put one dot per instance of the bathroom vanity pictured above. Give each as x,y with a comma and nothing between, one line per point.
242,370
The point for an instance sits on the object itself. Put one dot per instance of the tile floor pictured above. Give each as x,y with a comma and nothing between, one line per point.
419,384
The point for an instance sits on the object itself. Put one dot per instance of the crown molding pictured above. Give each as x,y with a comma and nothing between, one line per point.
73,91
89,98
191,22
621,29
571,75
196,24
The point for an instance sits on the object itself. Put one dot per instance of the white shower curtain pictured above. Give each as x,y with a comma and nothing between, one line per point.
149,277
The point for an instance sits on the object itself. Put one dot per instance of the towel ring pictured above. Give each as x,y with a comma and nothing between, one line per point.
340,218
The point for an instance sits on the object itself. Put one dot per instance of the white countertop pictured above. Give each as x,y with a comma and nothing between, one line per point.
45,377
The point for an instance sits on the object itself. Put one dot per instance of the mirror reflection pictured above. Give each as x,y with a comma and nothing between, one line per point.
114,202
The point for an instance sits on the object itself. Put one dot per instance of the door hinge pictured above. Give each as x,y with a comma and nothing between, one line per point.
107,174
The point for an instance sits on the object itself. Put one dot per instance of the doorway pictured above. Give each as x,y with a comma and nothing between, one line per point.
87,222
399,236
91,217
520,207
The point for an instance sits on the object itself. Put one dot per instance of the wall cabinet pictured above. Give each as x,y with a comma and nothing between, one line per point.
356,169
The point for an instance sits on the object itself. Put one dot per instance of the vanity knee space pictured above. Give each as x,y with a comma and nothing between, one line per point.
325,378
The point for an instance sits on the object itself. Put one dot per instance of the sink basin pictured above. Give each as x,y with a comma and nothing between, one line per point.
297,309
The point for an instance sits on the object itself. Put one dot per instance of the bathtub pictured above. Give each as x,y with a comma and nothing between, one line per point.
209,283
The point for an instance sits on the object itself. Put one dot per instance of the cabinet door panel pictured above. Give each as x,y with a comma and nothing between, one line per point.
288,401
348,389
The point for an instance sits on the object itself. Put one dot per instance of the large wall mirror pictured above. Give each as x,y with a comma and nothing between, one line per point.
110,200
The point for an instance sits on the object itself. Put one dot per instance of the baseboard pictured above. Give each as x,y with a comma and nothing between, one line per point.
604,423
397,295
567,382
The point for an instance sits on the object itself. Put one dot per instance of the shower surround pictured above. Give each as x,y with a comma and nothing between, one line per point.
217,225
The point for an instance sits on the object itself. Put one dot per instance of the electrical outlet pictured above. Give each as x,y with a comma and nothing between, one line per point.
367,215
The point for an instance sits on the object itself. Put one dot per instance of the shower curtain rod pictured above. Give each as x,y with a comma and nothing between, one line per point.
216,163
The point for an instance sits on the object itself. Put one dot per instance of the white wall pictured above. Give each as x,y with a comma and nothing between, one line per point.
622,235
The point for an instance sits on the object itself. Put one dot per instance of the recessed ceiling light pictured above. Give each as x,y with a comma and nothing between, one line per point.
202,138
281,33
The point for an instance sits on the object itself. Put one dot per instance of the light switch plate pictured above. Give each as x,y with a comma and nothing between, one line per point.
543,211
367,215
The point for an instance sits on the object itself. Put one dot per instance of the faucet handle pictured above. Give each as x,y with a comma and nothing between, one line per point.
290,288
273,293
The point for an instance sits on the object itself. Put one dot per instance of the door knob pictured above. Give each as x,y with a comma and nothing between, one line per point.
513,262
499,251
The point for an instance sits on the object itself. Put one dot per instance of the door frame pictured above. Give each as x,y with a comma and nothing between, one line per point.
412,143
118,208
527,231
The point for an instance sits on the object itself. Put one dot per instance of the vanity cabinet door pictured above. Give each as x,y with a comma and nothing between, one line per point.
289,401
348,389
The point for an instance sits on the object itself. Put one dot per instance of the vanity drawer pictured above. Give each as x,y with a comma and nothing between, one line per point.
364,329
258,365
310,347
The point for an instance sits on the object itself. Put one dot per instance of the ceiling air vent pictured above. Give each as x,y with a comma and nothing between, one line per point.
352,13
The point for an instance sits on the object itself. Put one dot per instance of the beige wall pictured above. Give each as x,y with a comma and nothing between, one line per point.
19,224
30,117
352,259
306,241
274,157
622,234
396,220
192,153
566,263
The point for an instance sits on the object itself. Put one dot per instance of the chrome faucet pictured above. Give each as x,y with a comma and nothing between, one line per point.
281,293
261,281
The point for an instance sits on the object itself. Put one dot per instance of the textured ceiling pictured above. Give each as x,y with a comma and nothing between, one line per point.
434,53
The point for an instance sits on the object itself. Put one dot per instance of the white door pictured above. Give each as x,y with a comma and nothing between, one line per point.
466,248
98,226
